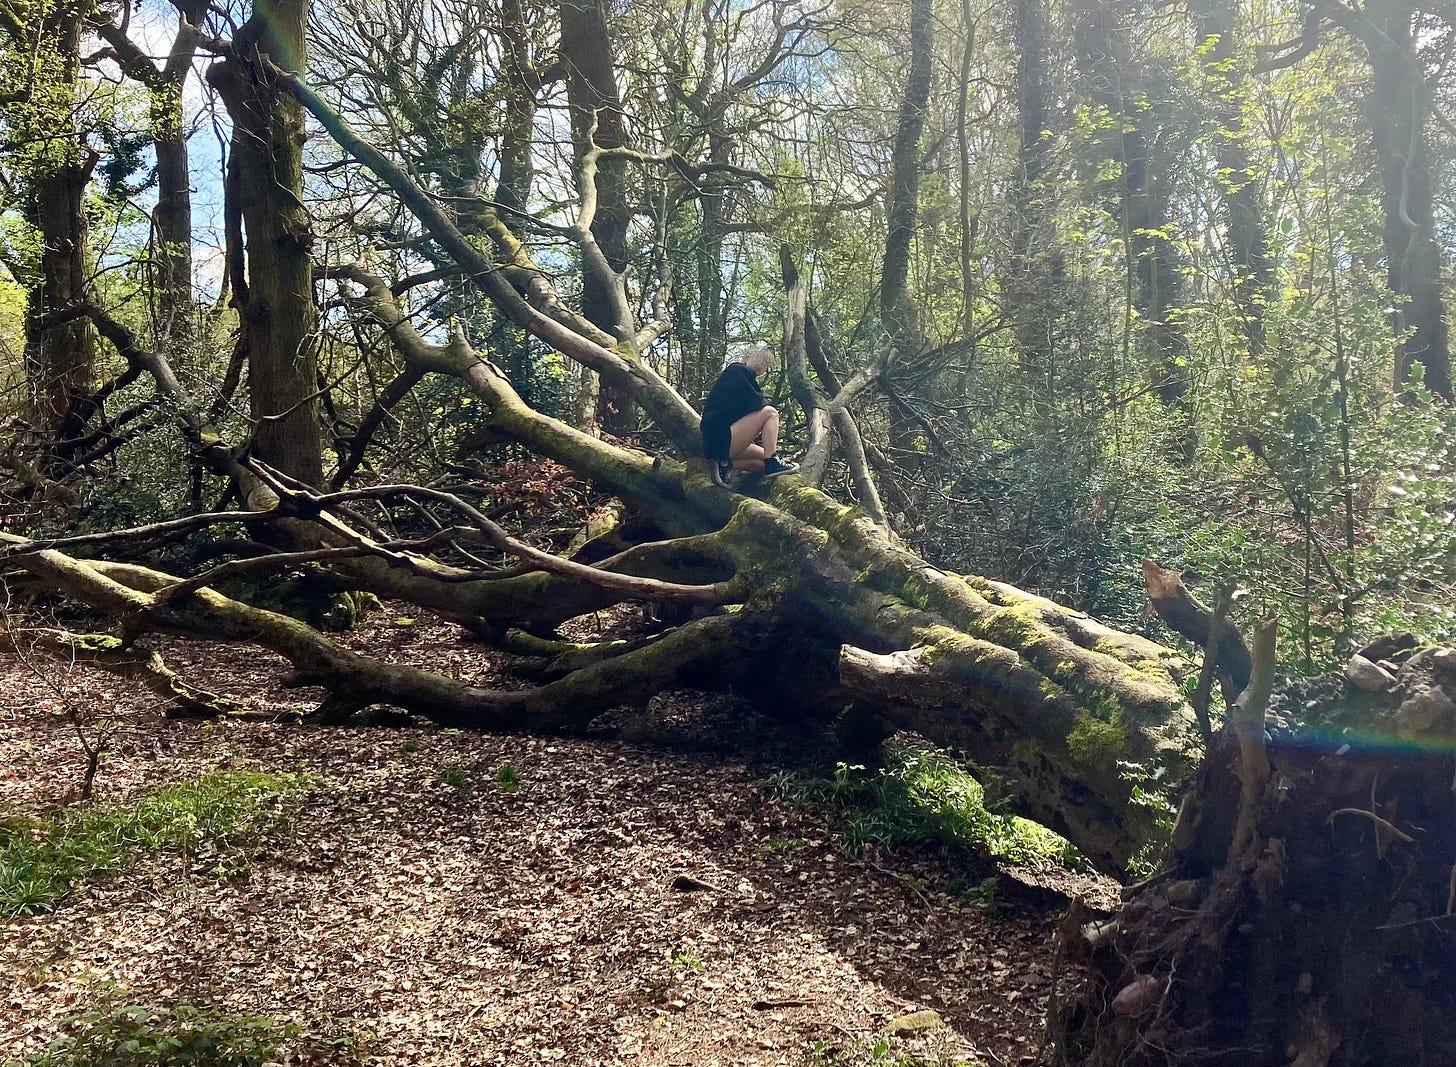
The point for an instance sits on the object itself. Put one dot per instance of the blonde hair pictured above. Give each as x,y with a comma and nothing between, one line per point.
761,353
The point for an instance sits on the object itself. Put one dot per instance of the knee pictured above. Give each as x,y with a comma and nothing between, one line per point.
771,412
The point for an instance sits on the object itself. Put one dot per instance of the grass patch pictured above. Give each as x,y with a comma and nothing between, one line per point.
782,844
920,796
456,776
507,778
877,1052
120,1034
41,860
686,961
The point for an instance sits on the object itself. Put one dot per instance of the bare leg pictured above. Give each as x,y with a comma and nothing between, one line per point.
750,460
761,425
769,437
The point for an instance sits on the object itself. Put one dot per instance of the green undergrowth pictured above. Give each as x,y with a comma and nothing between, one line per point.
922,796
43,859
123,1034
877,1052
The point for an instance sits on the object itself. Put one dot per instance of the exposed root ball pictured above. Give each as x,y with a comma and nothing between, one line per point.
1328,939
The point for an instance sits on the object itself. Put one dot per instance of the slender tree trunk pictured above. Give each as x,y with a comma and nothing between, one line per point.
898,311
64,358
171,239
1135,140
172,228
1225,76
522,81
712,322
1034,268
897,307
970,215
172,217
278,317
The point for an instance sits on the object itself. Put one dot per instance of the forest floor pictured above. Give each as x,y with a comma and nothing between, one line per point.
439,897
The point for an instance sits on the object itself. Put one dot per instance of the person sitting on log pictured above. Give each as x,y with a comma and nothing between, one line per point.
740,430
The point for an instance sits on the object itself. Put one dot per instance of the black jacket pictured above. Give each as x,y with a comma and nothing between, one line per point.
735,394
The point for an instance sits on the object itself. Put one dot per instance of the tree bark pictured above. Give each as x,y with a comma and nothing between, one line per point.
1183,613
712,322
1034,267
277,311
597,121
897,308
1137,138
172,217
172,228
171,239
513,187
970,216
64,360
60,363
1398,109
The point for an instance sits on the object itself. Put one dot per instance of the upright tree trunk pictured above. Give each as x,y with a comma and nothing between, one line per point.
172,217
712,320
1226,77
172,228
171,239
970,219
1398,109
1144,189
61,361
596,118
276,304
1034,268
64,358
520,84
897,306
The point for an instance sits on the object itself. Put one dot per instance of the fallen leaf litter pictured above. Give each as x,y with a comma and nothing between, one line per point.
619,907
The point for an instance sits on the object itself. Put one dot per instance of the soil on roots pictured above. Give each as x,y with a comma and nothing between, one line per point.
1324,939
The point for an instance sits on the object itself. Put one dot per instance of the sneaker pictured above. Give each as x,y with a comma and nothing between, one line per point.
722,468
773,467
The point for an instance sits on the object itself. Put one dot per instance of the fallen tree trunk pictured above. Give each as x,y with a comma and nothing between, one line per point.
1074,723
140,598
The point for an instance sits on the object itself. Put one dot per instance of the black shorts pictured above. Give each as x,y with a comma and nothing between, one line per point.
717,438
